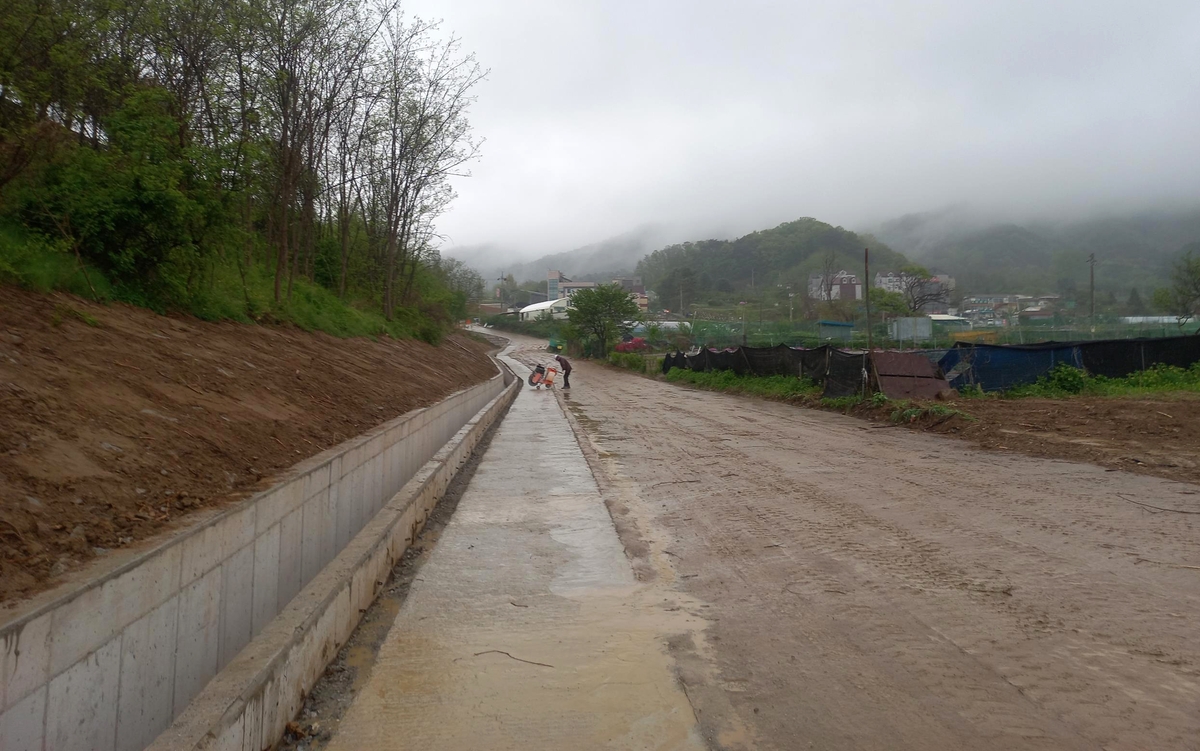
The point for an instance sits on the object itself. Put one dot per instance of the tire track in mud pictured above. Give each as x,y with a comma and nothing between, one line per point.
882,589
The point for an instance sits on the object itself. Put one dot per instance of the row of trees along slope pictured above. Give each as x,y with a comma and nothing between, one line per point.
695,272
235,158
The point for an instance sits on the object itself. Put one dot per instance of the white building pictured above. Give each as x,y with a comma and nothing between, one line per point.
839,285
554,308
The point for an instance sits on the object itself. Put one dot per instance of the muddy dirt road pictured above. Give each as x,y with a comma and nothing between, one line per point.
874,588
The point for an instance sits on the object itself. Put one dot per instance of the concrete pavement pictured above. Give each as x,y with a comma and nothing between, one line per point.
527,628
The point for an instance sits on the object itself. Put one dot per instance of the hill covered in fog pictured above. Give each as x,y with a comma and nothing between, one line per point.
1132,251
600,261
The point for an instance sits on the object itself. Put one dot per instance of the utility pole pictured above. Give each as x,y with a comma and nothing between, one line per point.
681,311
791,302
867,293
1092,264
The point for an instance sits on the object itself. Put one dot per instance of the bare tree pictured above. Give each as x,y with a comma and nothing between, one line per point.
426,140
920,289
829,270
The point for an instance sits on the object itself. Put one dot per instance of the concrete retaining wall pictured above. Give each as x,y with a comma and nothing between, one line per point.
247,706
106,661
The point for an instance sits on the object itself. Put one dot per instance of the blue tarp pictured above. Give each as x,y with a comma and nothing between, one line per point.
997,367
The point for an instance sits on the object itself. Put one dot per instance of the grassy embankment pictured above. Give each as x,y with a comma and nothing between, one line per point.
31,260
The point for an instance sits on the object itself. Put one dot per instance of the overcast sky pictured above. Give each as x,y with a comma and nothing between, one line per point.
716,118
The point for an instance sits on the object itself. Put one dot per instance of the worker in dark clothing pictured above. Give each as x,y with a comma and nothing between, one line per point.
565,364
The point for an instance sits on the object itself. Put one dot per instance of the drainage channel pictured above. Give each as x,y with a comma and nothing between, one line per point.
347,674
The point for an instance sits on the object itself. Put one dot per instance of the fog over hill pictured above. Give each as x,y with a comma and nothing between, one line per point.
598,261
720,119
985,252
1132,250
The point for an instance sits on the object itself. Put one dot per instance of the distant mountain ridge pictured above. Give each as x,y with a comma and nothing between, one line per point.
1132,251
601,261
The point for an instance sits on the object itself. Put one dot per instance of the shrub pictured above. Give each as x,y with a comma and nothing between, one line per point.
772,387
842,402
909,414
1065,380
628,361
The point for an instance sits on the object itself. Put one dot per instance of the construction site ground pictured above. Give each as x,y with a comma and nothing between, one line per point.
1154,434
816,581
117,423
888,589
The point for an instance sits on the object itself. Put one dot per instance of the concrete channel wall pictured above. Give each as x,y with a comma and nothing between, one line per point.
247,707
106,661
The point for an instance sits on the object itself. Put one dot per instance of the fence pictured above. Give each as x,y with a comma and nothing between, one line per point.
988,366
895,374
1001,367
726,334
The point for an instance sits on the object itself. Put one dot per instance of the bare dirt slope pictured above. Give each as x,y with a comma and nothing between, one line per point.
110,432
885,589
1157,435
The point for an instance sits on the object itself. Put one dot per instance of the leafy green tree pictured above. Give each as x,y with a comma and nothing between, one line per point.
187,150
603,313
126,208
891,303
677,290
1182,298
1135,306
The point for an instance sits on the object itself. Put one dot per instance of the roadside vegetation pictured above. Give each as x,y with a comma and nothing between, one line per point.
804,391
1066,381
783,388
540,328
283,162
629,361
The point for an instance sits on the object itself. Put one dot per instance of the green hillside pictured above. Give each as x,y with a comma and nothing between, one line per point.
281,162
716,271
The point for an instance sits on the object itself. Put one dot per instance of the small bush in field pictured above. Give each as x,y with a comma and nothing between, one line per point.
628,361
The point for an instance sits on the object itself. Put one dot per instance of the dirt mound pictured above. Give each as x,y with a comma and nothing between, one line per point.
1157,435
116,422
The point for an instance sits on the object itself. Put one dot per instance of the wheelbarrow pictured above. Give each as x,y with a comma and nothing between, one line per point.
542,376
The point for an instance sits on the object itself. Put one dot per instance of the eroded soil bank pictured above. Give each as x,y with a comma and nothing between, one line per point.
116,422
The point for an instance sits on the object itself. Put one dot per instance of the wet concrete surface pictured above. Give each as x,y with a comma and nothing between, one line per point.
527,627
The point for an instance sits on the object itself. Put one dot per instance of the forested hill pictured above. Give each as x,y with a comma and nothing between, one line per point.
1132,251
786,254
276,161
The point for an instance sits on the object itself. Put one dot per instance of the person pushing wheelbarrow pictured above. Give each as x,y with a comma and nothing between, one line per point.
543,376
